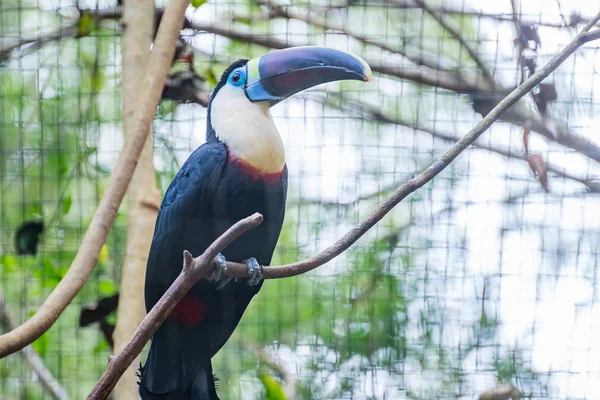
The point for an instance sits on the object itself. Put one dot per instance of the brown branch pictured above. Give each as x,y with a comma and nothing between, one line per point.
34,361
575,19
300,267
449,26
87,255
36,41
314,19
193,270
375,114
502,392
139,18
485,97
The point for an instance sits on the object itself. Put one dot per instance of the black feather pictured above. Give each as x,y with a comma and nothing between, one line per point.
27,237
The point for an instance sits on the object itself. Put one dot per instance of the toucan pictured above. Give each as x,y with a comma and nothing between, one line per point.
238,171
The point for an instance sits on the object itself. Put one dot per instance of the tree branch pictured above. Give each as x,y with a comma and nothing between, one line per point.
312,18
575,19
139,18
455,32
505,391
484,95
377,115
34,361
87,255
300,267
193,270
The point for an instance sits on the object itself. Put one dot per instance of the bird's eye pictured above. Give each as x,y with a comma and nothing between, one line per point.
237,78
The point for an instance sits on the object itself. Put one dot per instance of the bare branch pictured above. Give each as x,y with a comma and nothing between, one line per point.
484,96
36,41
377,115
139,18
300,267
502,392
455,32
575,19
34,361
312,18
193,270
87,255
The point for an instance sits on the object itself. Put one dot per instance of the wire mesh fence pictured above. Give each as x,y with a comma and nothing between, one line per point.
487,275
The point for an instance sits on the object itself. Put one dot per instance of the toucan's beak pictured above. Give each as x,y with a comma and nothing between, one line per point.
278,75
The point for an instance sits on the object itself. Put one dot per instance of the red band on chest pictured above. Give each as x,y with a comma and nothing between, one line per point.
190,311
252,172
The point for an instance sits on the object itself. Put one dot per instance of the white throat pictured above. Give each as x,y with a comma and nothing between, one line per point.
247,129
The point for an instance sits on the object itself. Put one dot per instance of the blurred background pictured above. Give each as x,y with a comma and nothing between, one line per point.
487,275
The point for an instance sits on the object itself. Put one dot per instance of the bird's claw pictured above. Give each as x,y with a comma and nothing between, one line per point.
255,271
221,265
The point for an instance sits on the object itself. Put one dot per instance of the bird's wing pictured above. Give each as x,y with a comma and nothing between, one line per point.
186,202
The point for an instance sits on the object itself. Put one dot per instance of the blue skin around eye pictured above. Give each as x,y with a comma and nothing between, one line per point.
242,79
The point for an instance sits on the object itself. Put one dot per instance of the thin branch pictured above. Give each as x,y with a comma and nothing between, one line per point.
34,361
502,392
519,42
485,96
449,26
87,255
346,204
36,41
575,19
312,18
377,115
300,267
193,270
139,18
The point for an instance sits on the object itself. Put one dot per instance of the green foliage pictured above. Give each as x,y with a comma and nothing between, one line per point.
273,388
198,3
87,24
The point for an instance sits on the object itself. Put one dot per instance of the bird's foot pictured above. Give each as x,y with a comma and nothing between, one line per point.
255,271
217,273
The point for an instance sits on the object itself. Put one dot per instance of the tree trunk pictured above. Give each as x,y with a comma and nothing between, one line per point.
143,197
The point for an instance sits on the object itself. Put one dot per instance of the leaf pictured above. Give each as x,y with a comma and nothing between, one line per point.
41,344
273,388
104,253
27,237
87,24
538,167
66,203
98,312
210,76
526,132
106,288
198,3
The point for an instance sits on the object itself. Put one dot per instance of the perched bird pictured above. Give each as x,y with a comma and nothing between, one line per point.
240,170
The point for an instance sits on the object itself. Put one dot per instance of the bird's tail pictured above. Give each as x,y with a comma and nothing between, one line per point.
178,366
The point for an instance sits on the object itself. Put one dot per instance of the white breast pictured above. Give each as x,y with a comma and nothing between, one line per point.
247,129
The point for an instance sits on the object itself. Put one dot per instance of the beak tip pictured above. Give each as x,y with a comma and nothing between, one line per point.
367,73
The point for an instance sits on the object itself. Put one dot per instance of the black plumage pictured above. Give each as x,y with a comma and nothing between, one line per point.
209,194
